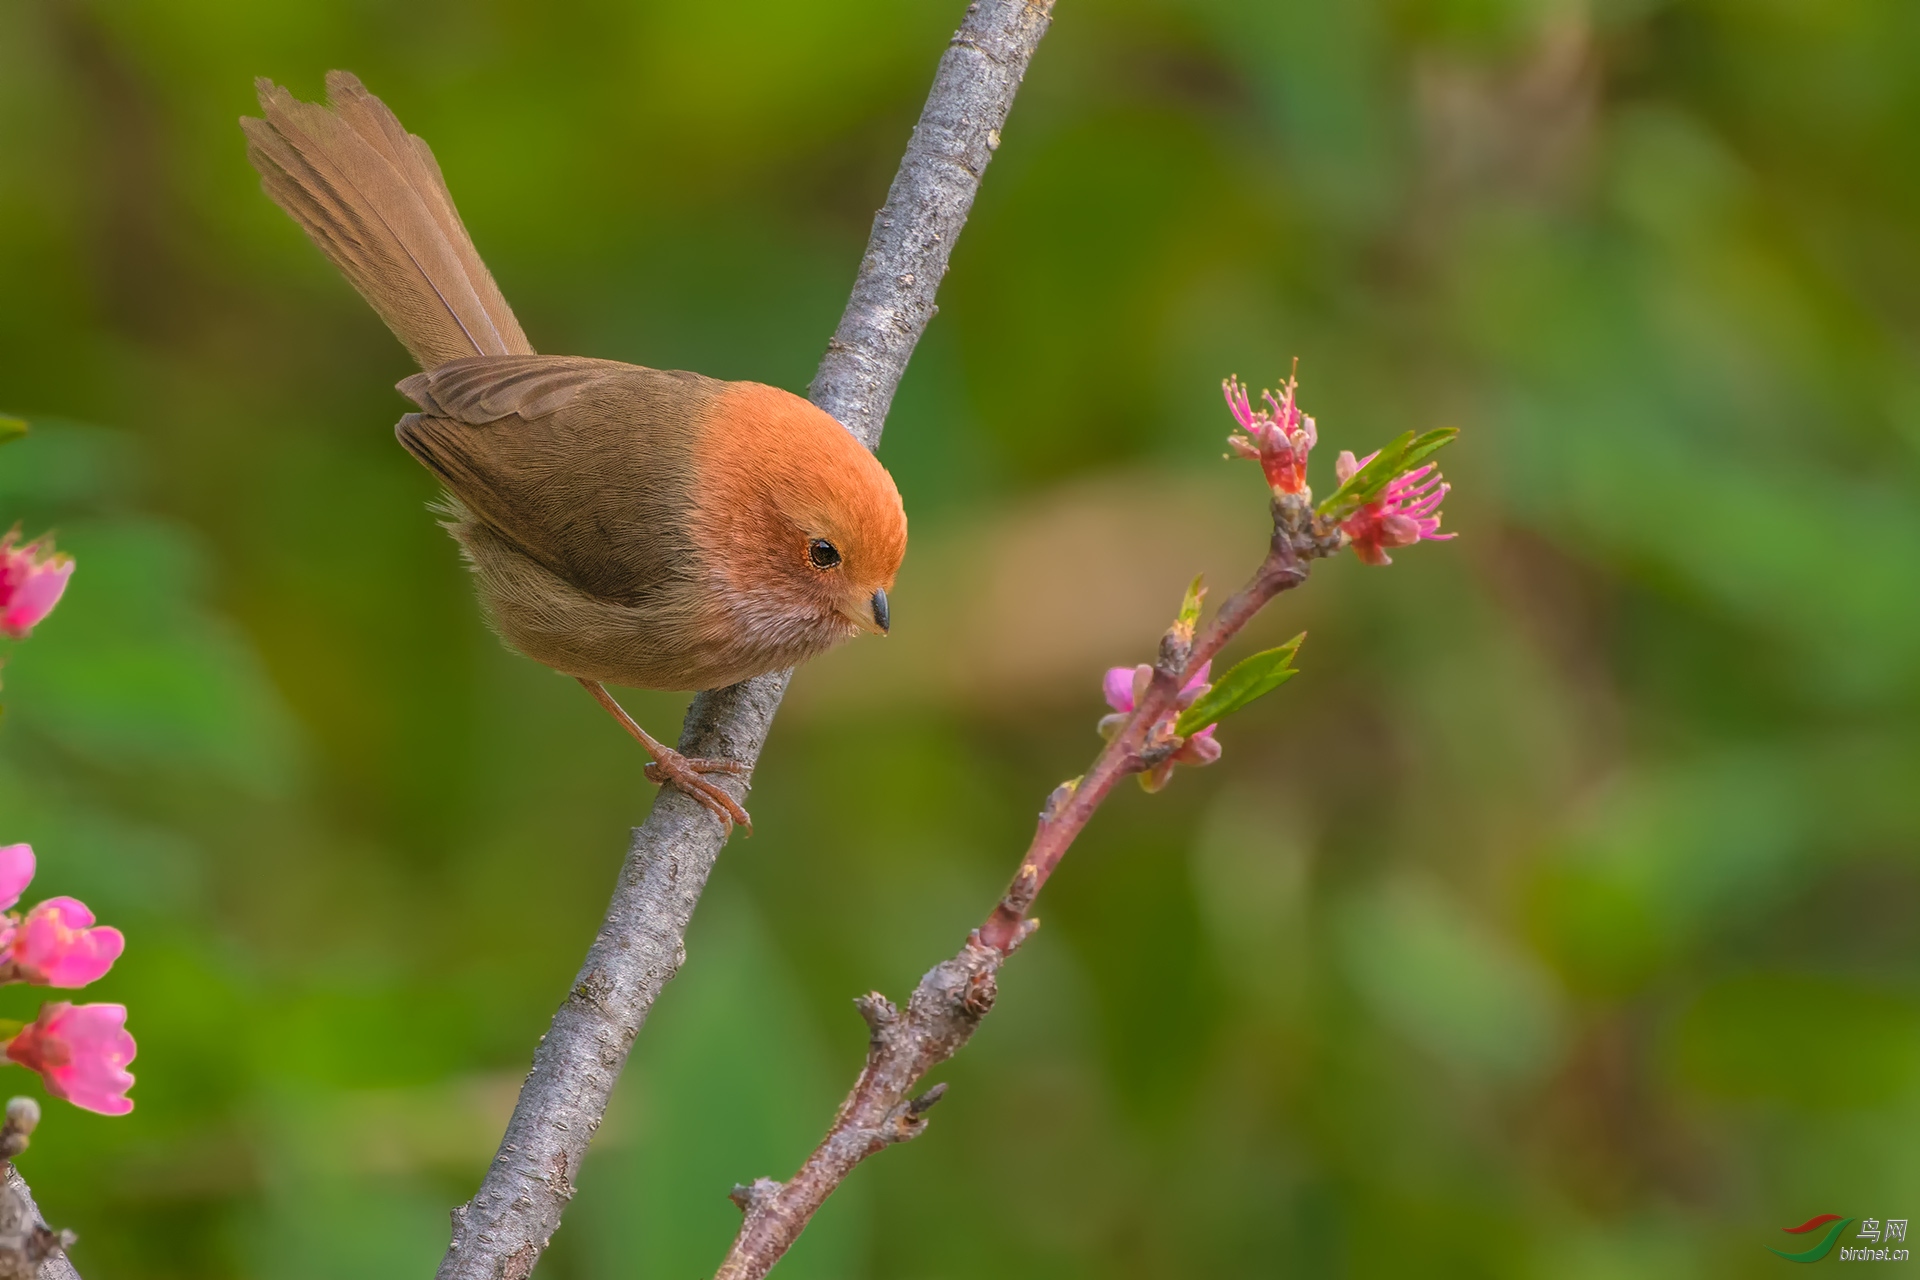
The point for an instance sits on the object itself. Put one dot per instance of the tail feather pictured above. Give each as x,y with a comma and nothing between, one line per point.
371,195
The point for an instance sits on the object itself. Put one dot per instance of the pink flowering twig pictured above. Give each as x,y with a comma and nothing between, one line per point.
1165,714
79,1051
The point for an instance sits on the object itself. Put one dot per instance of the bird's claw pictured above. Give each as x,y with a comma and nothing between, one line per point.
683,773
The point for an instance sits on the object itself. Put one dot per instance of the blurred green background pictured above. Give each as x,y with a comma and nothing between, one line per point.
1561,920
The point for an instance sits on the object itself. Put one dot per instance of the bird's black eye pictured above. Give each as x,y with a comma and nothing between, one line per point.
823,554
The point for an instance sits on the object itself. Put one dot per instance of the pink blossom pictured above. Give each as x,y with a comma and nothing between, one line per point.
16,872
1278,437
55,946
32,579
81,1052
1125,686
1408,511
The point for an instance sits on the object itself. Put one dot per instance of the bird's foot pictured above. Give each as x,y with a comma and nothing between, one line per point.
671,769
684,773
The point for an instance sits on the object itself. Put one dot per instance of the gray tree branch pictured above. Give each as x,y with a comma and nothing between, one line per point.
29,1248
501,1233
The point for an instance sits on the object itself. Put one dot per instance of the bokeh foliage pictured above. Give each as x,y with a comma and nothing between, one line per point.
1563,920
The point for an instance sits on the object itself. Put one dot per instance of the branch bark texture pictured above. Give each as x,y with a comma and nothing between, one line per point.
928,204
29,1248
501,1233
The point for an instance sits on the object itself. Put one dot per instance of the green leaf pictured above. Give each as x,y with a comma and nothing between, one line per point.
1189,617
1249,680
10,1027
11,428
1396,459
1430,443
1365,484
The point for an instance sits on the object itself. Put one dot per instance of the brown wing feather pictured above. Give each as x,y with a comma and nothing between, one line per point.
586,465
484,389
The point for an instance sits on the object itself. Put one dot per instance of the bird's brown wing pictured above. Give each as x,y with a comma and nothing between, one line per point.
584,464
485,389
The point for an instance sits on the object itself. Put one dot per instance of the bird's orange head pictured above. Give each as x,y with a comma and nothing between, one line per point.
807,525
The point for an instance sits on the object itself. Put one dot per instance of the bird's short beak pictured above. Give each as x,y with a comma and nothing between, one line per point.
873,618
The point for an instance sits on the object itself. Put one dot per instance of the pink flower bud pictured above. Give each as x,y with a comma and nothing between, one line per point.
55,947
81,1052
1199,748
1118,688
16,872
32,579
1123,687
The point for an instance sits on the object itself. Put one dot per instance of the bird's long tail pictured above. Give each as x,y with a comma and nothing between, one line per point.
371,196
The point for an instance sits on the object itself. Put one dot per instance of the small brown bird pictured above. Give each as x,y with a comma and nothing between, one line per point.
655,529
